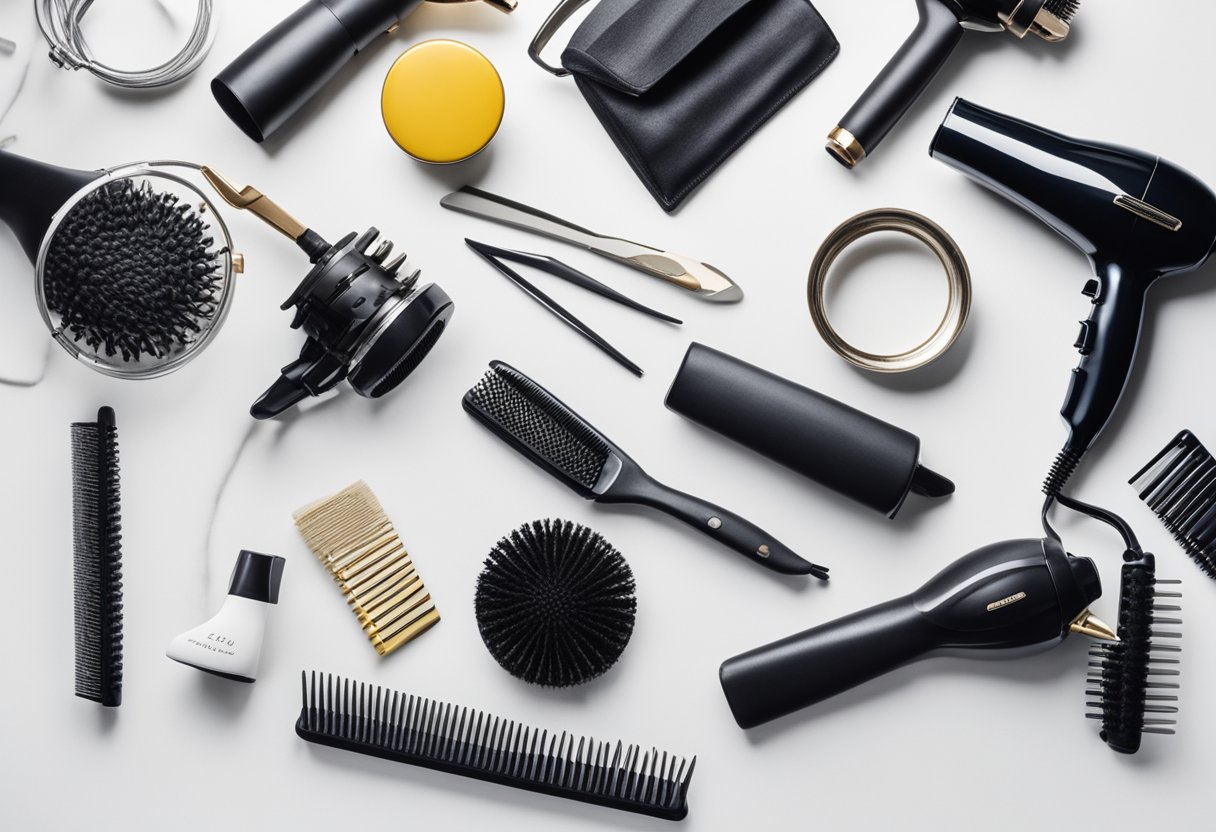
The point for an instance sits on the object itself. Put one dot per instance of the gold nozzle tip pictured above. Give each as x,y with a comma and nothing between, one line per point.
1049,27
844,146
1088,624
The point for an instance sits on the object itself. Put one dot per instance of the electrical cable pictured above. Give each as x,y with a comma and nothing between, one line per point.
60,22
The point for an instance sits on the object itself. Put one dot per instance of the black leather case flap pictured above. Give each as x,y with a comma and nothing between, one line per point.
679,85
633,49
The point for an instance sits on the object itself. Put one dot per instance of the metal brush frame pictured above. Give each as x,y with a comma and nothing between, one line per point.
146,366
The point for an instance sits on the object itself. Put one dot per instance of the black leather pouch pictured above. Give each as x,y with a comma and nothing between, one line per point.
680,84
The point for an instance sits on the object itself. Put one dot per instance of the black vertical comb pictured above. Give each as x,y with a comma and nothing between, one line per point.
1179,485
396,726
97,559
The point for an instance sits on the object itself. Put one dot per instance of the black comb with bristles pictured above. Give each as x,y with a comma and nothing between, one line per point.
97,559
1132,682
404,728
1179,485
541,427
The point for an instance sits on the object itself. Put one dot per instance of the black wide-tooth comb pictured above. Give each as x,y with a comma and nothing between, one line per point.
1179,485
538,425
97,559
404,728
1131,683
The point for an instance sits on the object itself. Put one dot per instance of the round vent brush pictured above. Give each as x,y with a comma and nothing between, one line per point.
1129,682
555,603
133,265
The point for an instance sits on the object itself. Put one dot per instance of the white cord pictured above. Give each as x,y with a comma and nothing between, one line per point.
60,21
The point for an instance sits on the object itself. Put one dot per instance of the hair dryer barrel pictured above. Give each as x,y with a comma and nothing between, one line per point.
1012,594
32,193
274,77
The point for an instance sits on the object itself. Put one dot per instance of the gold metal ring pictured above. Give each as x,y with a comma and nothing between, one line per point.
939,242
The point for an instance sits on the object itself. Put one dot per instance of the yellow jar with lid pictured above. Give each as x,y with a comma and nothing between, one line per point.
442,101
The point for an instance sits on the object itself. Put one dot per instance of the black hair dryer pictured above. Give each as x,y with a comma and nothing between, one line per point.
1014,594
924,53
368,321
1135,215
288,65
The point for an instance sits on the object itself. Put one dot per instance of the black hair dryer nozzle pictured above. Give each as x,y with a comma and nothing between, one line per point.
1008,595
273,78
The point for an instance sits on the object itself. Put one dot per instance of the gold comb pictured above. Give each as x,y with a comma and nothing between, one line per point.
354,539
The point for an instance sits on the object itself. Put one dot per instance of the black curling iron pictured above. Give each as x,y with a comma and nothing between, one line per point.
924,53
1135,215
270,80
1015,594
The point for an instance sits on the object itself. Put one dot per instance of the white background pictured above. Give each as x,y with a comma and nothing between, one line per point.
947,743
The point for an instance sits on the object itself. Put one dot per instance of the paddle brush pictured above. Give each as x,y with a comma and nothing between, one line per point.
537,424
555,604
97,559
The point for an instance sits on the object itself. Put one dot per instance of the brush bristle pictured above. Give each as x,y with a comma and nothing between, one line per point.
459,740
132,272
97,559
1131,682
356,542
536,419
1179,485
555,604
1063,9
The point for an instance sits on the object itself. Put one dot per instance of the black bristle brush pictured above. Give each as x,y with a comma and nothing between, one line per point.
555,603
1179,485
1131,685
537,424
132,271
404,728
97,559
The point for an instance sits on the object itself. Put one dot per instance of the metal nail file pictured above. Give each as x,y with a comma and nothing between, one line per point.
699,278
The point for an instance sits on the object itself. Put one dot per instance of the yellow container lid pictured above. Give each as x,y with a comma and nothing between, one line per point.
442,101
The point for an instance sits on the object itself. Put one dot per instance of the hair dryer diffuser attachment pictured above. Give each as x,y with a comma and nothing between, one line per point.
273,78
368,321
133,264
940,28
850,452
1013,594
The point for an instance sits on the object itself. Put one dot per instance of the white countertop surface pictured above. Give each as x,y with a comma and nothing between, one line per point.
945,744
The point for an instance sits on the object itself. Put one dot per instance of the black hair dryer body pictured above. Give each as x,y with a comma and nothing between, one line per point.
1008,595
273,78
1136,216
940,28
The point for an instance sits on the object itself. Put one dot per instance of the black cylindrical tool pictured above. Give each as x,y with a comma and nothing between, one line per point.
1014,594
850,452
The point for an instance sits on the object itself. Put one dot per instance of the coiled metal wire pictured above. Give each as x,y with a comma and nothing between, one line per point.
60,22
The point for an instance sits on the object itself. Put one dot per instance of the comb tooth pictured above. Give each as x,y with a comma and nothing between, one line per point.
487,752
550,768
520,768
345,709
461,737
614,771
533,757
579,770
503,746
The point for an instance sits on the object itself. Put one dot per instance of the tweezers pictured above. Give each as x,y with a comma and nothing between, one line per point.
495,257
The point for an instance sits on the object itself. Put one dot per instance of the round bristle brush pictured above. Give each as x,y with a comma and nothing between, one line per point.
1132,682
132,272
555,603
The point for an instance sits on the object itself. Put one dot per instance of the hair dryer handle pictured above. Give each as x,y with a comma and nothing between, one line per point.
787,675
891,94
1107,342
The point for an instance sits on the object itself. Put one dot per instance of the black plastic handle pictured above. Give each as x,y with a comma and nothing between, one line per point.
905,77
728,528
1107,341
785,676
